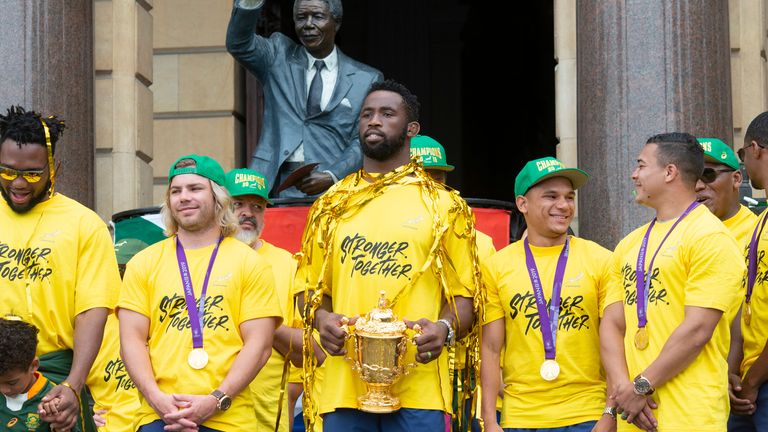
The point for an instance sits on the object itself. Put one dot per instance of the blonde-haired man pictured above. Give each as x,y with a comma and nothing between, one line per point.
204,282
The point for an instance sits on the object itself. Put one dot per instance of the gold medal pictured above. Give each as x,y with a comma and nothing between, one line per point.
641,338
549,370
197,358
747,314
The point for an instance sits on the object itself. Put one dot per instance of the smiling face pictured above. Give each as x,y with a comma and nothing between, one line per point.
549,207
191,202
19,193
721,196
648,176
315,27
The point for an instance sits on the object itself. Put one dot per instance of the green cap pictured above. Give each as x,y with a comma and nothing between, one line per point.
717,151
245,181
204,166
431,152
539,170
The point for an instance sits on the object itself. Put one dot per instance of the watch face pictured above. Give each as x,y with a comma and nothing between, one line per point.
642,386
225,403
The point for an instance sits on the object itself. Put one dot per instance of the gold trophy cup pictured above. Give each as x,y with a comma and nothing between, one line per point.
380,344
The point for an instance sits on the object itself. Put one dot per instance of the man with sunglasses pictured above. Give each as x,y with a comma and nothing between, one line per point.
749,395
58,269
718,189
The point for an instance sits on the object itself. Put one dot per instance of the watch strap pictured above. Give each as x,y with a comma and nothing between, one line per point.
611,411
641,381
220,398
451,337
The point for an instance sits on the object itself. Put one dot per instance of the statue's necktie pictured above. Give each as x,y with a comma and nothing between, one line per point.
315,90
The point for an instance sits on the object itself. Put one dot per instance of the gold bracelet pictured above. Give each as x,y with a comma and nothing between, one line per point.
69,386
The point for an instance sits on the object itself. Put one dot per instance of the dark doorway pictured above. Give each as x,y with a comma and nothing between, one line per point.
490,118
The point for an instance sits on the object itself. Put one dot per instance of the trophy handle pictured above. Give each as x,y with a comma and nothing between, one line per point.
345,325
353,361
417,332
408,366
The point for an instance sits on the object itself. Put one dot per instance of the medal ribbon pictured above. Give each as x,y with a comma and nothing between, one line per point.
643,283
548,322
752,256
195,314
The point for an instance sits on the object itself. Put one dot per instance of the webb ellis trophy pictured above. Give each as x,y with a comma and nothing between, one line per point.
380,344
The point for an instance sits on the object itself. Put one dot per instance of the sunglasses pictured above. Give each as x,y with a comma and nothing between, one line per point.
710,174
31,176
741,151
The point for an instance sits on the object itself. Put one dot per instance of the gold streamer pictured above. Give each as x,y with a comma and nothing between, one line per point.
49,148
342,204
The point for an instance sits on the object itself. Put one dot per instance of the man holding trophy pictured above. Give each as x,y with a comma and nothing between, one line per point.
383,245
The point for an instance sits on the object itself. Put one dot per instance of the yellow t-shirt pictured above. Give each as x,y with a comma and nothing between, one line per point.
265,388
756,333
485,249
578,394
380,247
112,389
699,265
741,225
241,288
65,251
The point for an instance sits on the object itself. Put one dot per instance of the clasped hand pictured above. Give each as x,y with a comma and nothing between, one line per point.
634,408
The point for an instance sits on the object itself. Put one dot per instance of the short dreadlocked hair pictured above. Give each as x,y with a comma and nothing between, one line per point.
24,127
18,343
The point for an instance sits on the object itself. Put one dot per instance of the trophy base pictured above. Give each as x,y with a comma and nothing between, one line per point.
378,400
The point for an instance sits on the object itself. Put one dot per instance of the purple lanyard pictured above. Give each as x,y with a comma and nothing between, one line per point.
195,315
548,322
642,282
752,265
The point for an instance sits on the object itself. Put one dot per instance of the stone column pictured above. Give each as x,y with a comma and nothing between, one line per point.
123,101
565,86
643,68
47,66
749,74
197,87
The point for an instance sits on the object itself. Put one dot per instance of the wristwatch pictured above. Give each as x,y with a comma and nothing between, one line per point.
643,387
223,400
451,338
611,411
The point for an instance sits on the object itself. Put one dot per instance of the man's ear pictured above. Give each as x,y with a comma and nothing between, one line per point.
413,129
737,179
757,151
522,204
671,172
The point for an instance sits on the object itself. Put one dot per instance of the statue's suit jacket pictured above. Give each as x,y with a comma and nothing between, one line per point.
329,137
